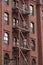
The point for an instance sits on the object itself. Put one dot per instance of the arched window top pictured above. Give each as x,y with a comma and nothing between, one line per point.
6,59
33,61
6,14
32,24
6,2
6,56
6,34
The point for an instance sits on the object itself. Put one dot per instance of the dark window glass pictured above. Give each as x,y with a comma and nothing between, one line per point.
42,14
6,59
33,45
6,2
33,62
42,1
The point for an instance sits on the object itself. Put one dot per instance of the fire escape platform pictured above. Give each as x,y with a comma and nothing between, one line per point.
23,30
24,49
25,13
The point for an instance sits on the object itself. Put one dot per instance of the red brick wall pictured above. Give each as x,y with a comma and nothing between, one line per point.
0,31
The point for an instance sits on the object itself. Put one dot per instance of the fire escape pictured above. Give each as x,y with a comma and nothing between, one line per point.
20,33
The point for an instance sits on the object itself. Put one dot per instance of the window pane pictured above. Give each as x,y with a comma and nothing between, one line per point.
31,10
17,41
6,34
25,42
42,14
32,27
6,2
5,41
15,22
6,38
33,62
24,6
33,45
6,18
42,1
6,59
24,23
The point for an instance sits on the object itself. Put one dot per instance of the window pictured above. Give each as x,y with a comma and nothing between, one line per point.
6,18
42,14
33,45
15,3
32,27
24,24
25,42
16,41
15,22
6,59
33,62
6,2
15,61
42,1
6,38
23,6
31,10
